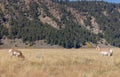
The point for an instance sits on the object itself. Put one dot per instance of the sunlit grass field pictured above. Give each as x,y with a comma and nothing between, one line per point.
60,63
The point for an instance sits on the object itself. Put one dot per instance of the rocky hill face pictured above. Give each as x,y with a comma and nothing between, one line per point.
60,22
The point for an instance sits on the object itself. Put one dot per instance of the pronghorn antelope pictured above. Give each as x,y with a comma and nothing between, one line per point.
17,53
104,52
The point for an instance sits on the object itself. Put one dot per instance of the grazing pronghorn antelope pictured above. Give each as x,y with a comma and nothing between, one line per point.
17,53
104,52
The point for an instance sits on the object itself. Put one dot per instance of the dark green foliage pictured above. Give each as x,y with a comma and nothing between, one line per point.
31,30
73,35
110,25
25,25
34,10
3,32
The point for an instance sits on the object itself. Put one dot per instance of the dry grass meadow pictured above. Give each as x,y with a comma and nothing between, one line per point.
60,63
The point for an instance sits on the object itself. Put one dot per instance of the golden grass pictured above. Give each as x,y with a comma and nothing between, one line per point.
60,63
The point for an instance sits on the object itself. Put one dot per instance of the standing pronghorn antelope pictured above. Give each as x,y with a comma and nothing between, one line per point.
104,52
16,53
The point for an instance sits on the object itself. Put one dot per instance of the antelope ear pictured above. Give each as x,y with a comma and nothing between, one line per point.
111,50
10,50
96,48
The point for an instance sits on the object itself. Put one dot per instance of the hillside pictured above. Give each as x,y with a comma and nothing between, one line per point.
62,23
